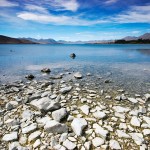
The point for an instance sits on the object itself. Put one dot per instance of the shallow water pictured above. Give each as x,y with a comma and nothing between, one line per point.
128,66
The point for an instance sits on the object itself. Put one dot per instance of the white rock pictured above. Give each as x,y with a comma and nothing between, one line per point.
63,137
133,100
29,128
65,90
101,131
37,143
99,114
146,131
147,120
137,137
69,145
78,124
122,134
55,127
97,141
33,136
43,121
87,145
78,75
23,140
59,114
85,109
147,97
27,114
114,144
135,121
10,137
45,104
120,109
123,126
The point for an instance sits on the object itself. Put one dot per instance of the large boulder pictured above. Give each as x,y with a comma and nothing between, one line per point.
59,114
78,124
55,127
45,104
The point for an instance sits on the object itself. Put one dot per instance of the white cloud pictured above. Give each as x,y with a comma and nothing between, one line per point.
36,8
6,3
59,20
108,2
137,14
71,5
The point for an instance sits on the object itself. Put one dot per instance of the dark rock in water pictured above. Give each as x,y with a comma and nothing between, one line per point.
46,70
108,81
56,77
30,77
73,55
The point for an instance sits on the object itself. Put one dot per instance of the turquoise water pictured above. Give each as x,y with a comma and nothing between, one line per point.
124,62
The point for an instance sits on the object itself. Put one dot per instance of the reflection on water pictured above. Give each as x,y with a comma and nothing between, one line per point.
144,51
128,64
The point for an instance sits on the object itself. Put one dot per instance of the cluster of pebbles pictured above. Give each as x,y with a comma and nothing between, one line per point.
58,114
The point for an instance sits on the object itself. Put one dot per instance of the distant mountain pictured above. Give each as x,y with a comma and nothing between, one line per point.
42,41
145,36
9,40
129,38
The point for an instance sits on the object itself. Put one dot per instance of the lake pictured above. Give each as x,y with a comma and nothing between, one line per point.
128,66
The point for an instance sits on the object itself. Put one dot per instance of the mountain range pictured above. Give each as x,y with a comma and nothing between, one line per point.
10,40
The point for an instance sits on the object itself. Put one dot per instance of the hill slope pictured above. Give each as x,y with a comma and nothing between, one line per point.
9,40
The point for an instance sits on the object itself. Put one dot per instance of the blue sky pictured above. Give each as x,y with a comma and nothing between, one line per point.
74,19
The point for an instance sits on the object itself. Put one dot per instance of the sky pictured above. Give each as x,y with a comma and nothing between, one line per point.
74,20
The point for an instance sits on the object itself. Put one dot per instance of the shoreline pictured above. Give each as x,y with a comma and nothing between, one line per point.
67,114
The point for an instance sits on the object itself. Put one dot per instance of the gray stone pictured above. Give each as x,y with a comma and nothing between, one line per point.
33,136
97,141
29,128
59,114
122,134
11,105
45,104
133,100
78,124
101,131
85,109
137,137
55,127
147,97
78,75
69,145
65,90
135,121
99,115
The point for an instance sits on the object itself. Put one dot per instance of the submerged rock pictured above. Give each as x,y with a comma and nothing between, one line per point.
46,70
30,77
78,75
65,90
73,55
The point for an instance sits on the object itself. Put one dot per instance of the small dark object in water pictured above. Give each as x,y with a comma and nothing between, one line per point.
11,50
107,81
73,55
46,70
30,77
